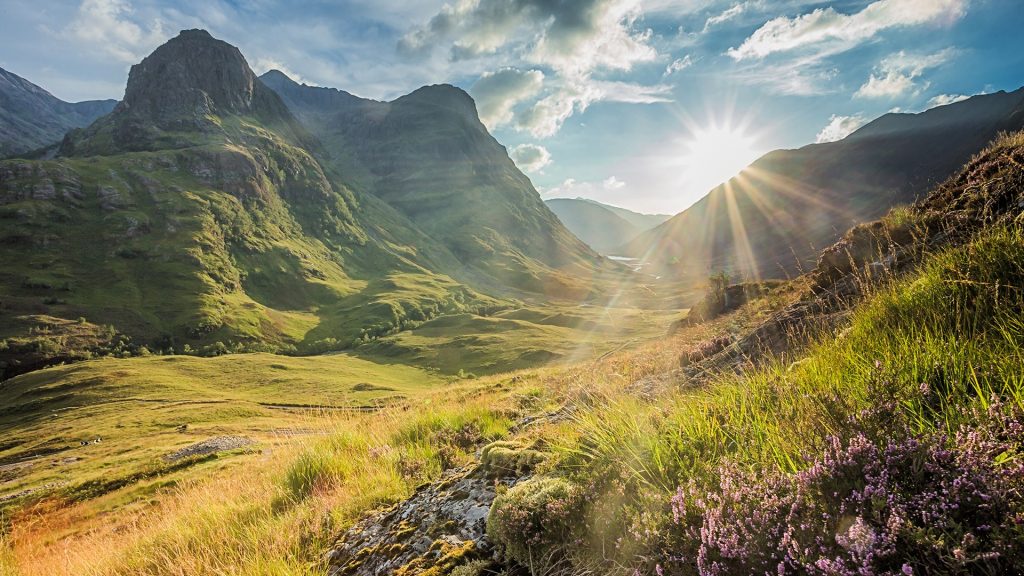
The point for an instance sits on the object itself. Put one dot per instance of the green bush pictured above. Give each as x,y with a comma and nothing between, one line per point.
533,522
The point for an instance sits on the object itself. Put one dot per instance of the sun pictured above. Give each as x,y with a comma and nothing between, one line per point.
714,154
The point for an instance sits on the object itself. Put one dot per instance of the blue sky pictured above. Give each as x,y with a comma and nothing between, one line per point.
609,99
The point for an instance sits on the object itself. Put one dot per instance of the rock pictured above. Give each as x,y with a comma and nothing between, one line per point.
705,349
110,198
442,526
211,446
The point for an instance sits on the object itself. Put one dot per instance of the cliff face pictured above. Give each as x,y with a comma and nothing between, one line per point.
186,86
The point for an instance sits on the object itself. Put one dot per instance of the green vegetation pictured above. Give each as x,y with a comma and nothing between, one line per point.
928,370
888,443
272,512
145,408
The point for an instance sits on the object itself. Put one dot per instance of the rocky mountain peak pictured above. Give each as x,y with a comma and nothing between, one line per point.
443,96
179,89
193,73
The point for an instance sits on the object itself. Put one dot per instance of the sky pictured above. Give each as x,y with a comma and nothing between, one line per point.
644,104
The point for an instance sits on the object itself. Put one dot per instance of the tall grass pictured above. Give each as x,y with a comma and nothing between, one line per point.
932,346
278,515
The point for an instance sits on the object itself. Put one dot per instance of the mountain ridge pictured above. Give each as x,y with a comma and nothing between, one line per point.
220,223
428,156
31,118
769,220
603,227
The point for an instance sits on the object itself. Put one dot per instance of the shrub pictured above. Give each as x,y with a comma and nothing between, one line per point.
533,522
915,504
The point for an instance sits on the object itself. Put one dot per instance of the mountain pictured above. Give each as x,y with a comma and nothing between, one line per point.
197,216
31,118
428,156
604,228
770,220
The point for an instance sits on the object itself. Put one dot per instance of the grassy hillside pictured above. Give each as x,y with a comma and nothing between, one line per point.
429,157
162,228
136,405
175,248
200,217
889,443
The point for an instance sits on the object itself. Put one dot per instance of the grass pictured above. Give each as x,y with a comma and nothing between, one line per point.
273,514
521,337
923,355
136,406
633,439
953,329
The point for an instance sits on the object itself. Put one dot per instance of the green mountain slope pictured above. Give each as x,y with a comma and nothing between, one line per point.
32,118
604,228
194,216
771,219
428,156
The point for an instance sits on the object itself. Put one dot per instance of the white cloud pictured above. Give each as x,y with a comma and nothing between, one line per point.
545,118
839,127
897,74
107,25
574,40
497,93
612,183
530,157
261,65
806,75
726,15
945,99
825,27
678,65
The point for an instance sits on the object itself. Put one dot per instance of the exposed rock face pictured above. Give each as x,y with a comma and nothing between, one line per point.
441,526
32,118
184,86
193,75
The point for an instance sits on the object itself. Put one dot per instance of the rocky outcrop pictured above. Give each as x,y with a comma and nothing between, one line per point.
210,446
443,525
188,85
194,75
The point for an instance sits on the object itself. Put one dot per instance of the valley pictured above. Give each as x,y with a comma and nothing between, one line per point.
251,326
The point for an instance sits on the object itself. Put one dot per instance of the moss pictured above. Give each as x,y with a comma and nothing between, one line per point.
442,558
449,527
505,458
403,530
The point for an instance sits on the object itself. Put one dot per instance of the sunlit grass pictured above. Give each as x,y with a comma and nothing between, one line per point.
275,515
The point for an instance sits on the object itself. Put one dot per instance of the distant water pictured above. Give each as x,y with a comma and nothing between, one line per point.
633,263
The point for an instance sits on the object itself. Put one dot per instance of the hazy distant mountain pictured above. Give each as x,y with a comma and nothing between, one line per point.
32,118
428,156
773,218
605,228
